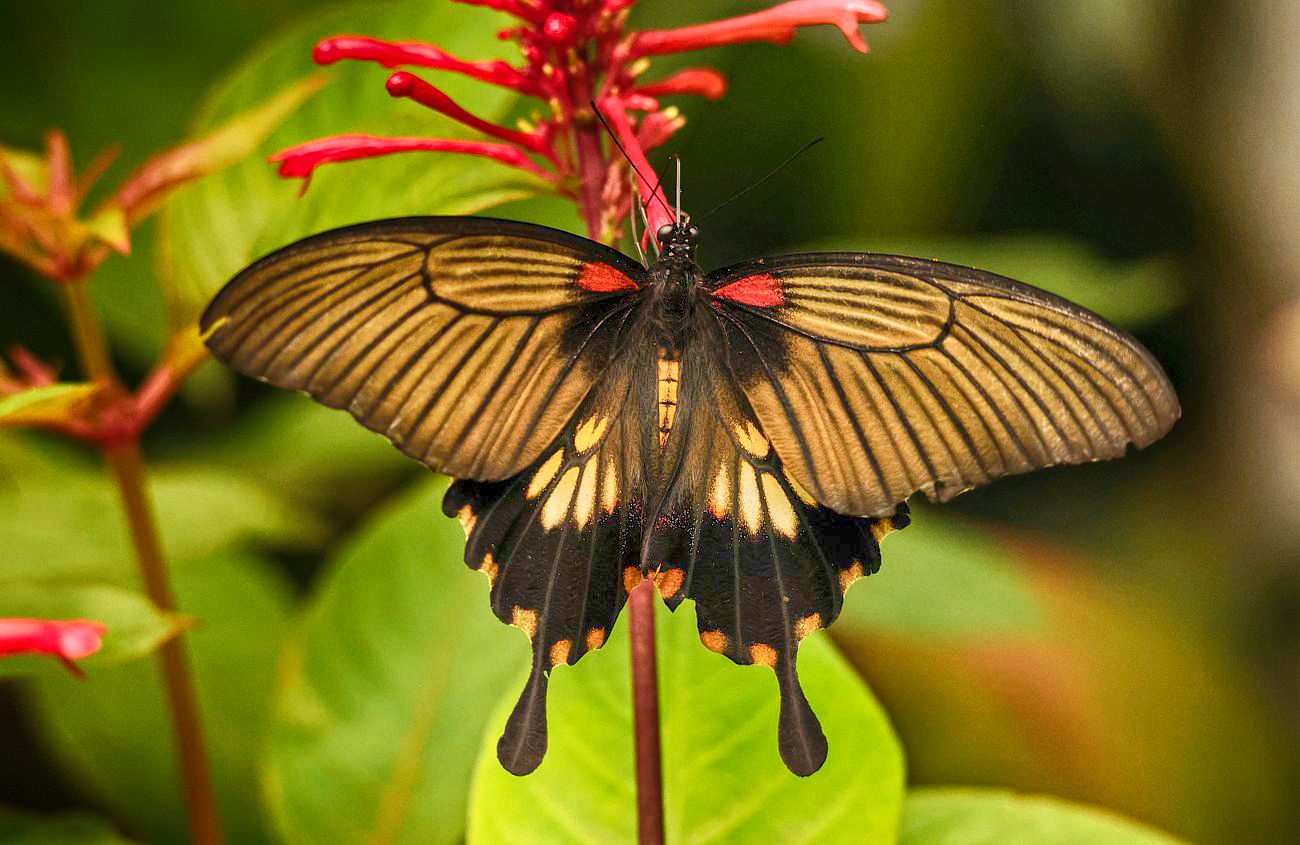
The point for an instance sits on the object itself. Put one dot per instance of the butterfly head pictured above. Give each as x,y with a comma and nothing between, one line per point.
678,240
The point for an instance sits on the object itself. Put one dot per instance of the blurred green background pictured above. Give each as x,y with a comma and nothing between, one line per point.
1124,634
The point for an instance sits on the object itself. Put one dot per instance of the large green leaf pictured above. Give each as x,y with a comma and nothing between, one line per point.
61,521
280,442
20,828
215,227
723,778
387,686
943,577
135,625
996,817
112,734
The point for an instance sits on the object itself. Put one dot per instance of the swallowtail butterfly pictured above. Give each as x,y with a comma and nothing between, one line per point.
744,437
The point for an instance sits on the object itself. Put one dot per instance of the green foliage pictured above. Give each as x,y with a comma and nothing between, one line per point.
994,817
135,626
943,577
65,829
66,522
42,404
723,778
112,731
387,685
217,226
280,443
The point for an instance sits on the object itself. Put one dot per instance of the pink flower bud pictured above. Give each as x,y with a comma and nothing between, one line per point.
67,640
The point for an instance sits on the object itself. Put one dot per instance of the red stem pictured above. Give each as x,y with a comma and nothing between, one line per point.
645,710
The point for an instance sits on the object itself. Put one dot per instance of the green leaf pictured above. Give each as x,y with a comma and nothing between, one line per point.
723,777
112,733
21,828
387,686
215,227
51,403
65,522
271,440
944,577
29,166
1128,293
135,625
996,817
234,140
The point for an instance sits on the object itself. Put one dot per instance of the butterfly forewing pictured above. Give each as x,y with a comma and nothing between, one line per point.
469,343
879,376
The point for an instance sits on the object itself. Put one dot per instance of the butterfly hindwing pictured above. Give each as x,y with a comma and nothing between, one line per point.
561,544
765,563
879,376
468,342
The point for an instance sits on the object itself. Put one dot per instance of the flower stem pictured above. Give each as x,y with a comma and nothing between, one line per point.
127,465
645,708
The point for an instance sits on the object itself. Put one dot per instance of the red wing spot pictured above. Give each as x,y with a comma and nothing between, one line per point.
761,291
602,278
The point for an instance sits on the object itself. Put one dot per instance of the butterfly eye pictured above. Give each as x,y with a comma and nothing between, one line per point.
665,232
693,233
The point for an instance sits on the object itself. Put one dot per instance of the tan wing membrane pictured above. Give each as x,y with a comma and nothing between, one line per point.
876,377
467,342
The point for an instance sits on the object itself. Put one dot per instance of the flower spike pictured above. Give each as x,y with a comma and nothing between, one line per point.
573,52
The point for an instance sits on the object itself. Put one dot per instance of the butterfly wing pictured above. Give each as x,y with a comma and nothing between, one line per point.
468,342
764,562
876,376
561,542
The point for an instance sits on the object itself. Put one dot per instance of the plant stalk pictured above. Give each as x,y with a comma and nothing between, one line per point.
127,465
645,711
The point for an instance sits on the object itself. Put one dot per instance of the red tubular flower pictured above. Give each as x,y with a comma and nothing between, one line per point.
403,84
776,25
67,640
701,81
573,53
397,53
300,161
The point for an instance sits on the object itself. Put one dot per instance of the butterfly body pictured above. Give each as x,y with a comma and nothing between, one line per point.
745,438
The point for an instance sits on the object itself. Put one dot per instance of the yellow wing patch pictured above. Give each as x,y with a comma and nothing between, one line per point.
589,433
557,503
544,474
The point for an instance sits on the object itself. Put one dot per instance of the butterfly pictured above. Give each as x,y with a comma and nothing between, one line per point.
745,438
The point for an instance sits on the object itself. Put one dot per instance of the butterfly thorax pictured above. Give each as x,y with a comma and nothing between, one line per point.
675,280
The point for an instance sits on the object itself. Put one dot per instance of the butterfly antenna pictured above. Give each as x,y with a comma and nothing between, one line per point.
805,148
678,159
632,210
635,169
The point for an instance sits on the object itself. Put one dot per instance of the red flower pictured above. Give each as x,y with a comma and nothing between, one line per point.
67,640
575,52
